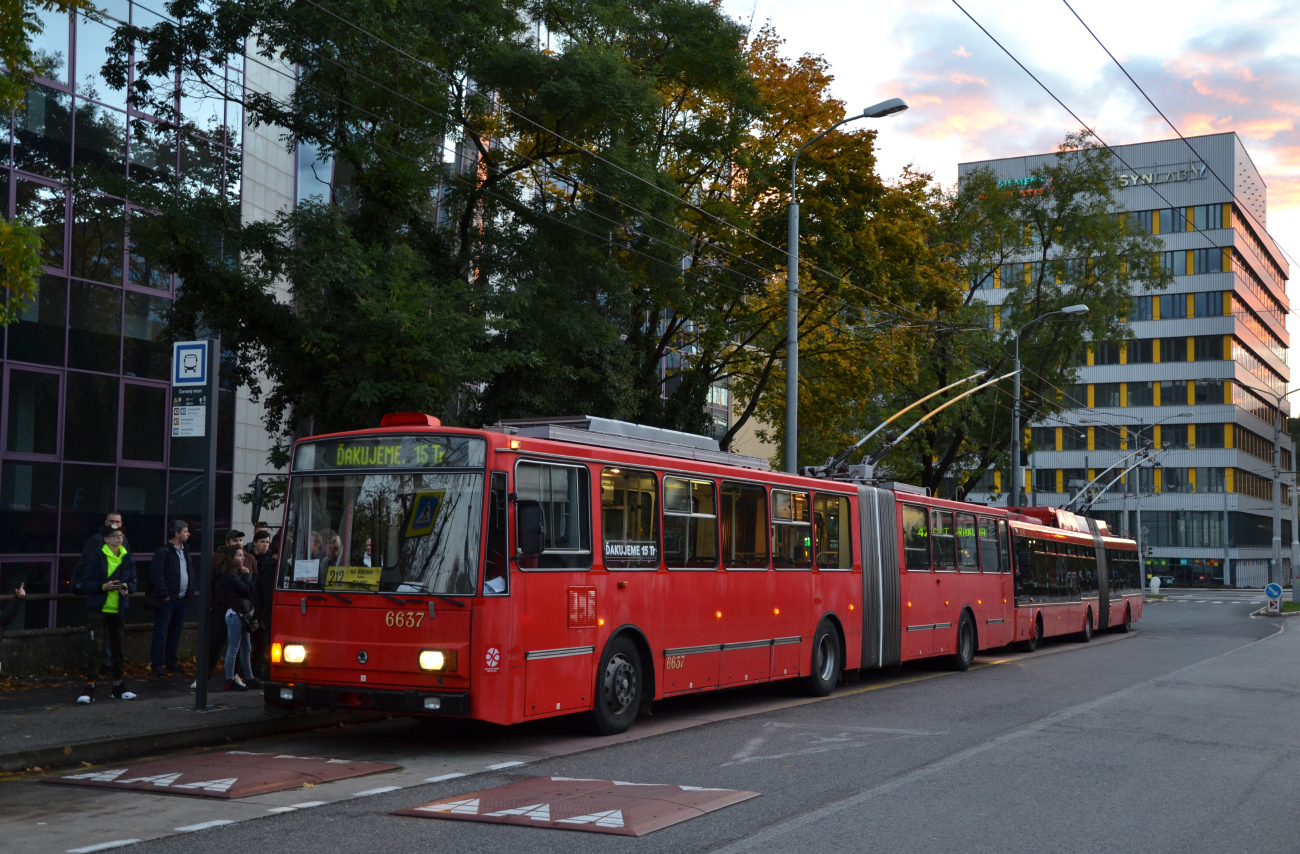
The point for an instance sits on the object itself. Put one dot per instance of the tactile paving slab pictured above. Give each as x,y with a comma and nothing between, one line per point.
228,774
598,806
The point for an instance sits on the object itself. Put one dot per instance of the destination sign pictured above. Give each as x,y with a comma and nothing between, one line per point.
391,452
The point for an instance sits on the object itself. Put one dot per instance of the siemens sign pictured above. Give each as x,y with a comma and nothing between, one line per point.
1163,175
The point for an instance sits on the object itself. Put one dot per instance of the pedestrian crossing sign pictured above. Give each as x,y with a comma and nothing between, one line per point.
424,512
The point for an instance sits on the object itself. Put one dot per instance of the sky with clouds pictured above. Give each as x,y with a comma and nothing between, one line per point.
1210,66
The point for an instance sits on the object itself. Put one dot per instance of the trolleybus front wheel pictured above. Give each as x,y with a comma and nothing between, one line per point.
1086,635
618,688
825,660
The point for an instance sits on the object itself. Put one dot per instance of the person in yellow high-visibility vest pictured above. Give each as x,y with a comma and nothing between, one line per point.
107,579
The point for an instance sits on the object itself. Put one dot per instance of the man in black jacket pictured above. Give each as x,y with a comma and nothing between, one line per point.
170,575
264,587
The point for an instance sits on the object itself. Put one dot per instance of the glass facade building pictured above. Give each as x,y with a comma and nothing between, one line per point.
84,395
1199,377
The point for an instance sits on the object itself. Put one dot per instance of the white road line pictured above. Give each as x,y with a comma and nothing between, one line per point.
500,765
103,846
444,777
381,790
190,828
302,806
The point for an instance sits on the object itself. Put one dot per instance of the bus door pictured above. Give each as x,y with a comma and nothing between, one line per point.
946,596
747,607
1103,578
693,638
918,583
995,616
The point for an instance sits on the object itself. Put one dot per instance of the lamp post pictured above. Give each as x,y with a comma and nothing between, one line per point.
1013,495
876,111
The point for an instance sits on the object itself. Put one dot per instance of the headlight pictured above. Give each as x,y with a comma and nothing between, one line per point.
295,653
437,659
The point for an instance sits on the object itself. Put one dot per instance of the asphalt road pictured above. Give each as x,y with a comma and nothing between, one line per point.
1180,738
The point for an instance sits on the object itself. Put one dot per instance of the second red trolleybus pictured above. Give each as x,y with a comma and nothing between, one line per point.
542,569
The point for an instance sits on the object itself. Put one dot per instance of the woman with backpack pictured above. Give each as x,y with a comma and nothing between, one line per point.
239,596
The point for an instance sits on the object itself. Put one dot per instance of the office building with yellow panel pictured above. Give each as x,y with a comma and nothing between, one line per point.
1200,377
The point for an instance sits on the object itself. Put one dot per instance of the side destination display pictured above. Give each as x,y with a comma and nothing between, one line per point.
391,452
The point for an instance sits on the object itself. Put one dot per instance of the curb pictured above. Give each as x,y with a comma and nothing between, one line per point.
1263,612
134,746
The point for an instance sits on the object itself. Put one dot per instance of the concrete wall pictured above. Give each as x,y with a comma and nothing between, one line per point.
38,652
268,190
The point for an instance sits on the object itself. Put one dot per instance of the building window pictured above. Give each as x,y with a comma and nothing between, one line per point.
1173,392
1141,351
1141,394
1105,394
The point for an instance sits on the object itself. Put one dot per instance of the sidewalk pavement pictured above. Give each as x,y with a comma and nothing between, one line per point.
41,726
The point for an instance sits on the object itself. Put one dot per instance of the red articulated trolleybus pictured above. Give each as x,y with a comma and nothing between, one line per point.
585,565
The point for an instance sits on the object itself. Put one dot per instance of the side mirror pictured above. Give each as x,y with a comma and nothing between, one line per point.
257,499
530,528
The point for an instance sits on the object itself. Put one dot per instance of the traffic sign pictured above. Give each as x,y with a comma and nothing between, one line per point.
190,363
1273,591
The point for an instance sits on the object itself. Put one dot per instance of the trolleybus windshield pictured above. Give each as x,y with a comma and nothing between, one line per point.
380,530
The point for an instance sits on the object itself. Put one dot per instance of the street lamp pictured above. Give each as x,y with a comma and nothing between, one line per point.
876,111
1137,492
1015,404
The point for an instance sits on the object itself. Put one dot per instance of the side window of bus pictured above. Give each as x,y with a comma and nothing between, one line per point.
945,546
744,526
496,574
565,495
629,518
916,539
690,524
968,559
1005,545
791,530
832,531
988,533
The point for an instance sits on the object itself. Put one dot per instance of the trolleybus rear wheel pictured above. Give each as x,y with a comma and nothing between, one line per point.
618,688
826,663
965,644
1032,643
1086,635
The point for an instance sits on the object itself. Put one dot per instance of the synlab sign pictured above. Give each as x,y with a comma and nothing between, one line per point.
1163,174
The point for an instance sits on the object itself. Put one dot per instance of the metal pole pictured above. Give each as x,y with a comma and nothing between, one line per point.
792,330
1275,572
1013,497
209,539
1137,534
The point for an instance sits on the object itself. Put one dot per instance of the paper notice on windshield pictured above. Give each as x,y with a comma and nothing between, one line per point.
353,577
306,570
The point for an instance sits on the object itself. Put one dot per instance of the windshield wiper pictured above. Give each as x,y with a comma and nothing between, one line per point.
456,602
399,600
339,596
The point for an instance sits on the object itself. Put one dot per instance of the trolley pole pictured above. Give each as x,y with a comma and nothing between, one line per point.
209,540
